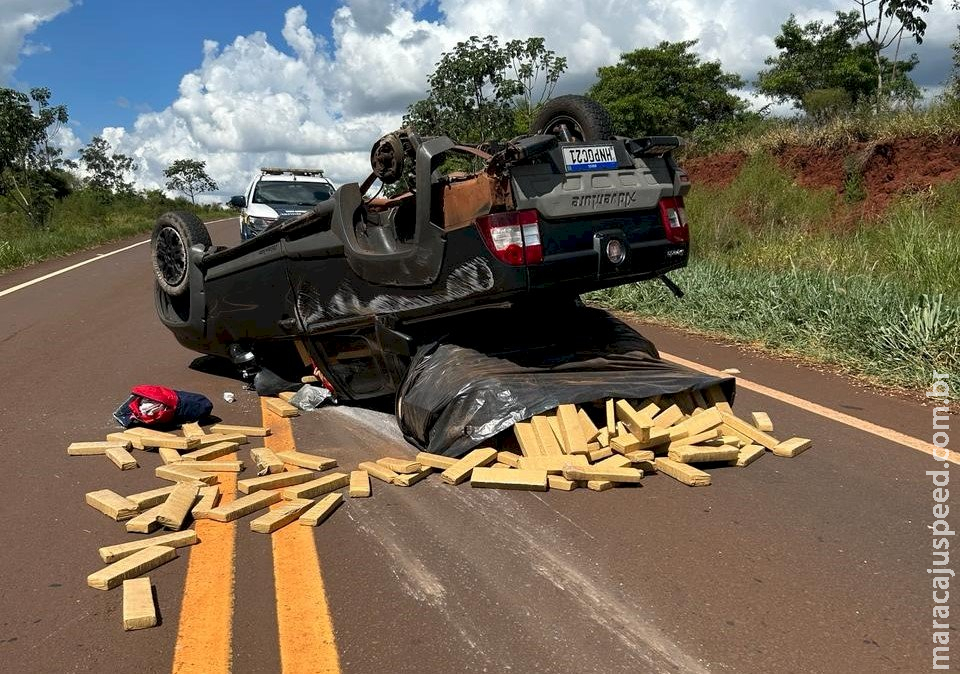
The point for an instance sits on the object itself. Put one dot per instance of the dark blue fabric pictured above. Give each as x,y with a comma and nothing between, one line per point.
191,407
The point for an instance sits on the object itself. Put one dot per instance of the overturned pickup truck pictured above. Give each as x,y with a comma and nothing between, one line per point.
355,286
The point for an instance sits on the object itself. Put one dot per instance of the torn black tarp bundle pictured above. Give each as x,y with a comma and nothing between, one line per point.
465,389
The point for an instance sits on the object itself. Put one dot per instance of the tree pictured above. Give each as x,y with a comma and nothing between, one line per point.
667,89
820,66
469,96
953,84
29,166
106,169
189,176
537,70
885,22
825,104
482,91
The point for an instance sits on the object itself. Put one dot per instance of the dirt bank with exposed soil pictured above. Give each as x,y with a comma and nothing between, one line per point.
904,166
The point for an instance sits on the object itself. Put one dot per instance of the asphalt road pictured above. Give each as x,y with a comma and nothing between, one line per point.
811,564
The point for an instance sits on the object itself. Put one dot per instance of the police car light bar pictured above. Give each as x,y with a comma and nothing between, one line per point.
297,172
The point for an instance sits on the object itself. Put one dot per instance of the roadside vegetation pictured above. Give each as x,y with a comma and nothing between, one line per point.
82,220
764,220
792,269
809,271
938,121
52,206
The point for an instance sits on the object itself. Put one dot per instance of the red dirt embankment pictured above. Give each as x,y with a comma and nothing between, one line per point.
889,169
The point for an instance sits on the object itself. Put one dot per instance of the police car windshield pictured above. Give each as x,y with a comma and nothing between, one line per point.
289,193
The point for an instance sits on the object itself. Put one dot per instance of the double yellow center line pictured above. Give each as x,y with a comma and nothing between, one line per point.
303,618
205,633
305,630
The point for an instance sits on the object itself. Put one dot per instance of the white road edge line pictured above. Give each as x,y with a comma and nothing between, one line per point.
867,427
100,256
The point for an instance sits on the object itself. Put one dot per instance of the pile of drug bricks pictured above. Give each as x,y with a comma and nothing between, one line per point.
562,450
191,464
568,448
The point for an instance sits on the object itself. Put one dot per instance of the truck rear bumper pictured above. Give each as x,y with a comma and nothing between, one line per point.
592,269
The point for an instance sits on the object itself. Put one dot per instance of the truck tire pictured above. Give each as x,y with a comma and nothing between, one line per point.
173,236
584,119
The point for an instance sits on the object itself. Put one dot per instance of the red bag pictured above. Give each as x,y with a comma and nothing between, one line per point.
152,405
161,406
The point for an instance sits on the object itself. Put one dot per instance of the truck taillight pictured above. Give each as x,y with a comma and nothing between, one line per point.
674,218
513,237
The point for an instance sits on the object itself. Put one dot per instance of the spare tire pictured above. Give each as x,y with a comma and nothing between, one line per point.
579,117
174,235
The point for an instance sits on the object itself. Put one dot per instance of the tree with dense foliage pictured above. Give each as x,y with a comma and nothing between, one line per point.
537,70
482,91
189,176
884,23
107,170
29,166
667,89
822,68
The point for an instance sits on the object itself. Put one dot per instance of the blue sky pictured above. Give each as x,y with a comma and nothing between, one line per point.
248,83
110,64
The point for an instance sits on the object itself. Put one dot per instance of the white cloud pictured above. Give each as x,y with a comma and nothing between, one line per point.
314,102
19,18
65,139
250,104
31,48
767,105
371,16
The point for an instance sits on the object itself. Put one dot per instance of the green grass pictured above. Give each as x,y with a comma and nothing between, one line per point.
764,220
940,120
867,327
793,270
83,221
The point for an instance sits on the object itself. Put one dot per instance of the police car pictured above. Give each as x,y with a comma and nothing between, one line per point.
279,194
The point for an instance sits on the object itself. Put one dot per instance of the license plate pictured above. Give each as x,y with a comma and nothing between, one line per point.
589,158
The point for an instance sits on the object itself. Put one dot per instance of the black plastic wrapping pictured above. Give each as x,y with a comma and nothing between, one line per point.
467,388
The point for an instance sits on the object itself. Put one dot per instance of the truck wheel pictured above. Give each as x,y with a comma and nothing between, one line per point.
573,118
173,236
